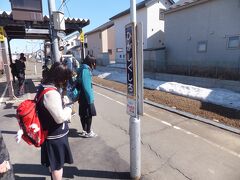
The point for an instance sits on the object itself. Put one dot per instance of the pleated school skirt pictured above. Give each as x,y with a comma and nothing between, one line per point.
56,152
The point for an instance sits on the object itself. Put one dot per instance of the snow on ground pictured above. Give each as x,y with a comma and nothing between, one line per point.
217,96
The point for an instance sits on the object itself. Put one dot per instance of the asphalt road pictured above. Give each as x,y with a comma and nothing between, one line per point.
173,147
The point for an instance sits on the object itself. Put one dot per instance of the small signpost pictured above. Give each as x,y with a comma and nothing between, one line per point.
81,37
2,37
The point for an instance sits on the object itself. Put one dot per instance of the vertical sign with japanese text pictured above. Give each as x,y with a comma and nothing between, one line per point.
131,60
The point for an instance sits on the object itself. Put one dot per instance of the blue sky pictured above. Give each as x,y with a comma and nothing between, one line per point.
97,11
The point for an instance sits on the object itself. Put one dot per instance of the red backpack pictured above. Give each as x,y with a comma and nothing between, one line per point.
29,122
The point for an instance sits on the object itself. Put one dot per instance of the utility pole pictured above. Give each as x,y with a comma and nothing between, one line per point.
7,69
34,58
54,37
4,52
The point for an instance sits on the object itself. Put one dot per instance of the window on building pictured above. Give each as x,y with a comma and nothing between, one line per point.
119,50
100,35
233,42
161,14
202,46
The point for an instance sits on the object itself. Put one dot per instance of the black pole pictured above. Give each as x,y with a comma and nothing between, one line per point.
9,50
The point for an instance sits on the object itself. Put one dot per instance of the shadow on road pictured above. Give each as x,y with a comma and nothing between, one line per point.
9,106
73,133
29,169
10,115
30,87
8,132
69,172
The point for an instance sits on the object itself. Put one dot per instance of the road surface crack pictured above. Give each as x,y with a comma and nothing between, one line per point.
178,171
151,149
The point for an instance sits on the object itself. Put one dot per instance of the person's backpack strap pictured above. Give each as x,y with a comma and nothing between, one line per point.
38,97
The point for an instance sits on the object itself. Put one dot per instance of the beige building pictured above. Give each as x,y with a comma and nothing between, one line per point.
150,14
101,43
203,38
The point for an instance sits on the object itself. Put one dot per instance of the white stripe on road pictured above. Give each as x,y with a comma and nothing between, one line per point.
4,93
163,122
180,129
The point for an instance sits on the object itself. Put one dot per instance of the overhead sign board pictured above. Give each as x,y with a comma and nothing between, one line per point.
27,10
131,61
2,37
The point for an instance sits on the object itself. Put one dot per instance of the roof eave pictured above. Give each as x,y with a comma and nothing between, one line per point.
181,7
139,6
101,28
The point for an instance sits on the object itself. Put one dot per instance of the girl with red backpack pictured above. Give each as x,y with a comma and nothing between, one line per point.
54,117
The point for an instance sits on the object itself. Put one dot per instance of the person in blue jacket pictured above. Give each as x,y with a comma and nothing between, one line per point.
86,97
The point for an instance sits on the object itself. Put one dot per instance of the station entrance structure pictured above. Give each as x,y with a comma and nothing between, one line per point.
20,29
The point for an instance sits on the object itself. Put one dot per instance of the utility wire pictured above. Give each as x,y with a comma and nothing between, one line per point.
61,5
68,10
64,4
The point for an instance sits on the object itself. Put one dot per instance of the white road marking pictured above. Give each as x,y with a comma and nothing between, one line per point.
180,129
164,122
105,96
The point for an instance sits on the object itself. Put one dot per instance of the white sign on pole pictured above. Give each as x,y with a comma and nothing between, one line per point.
131,107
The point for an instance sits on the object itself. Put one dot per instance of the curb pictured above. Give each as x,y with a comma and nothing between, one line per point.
182,113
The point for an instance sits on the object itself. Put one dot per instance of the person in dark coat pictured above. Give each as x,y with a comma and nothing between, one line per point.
86,97
20,70
6,170
13,71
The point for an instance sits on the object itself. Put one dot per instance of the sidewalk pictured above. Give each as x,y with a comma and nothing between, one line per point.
93,159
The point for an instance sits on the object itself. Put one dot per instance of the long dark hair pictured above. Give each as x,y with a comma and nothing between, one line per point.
90,61
58,75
